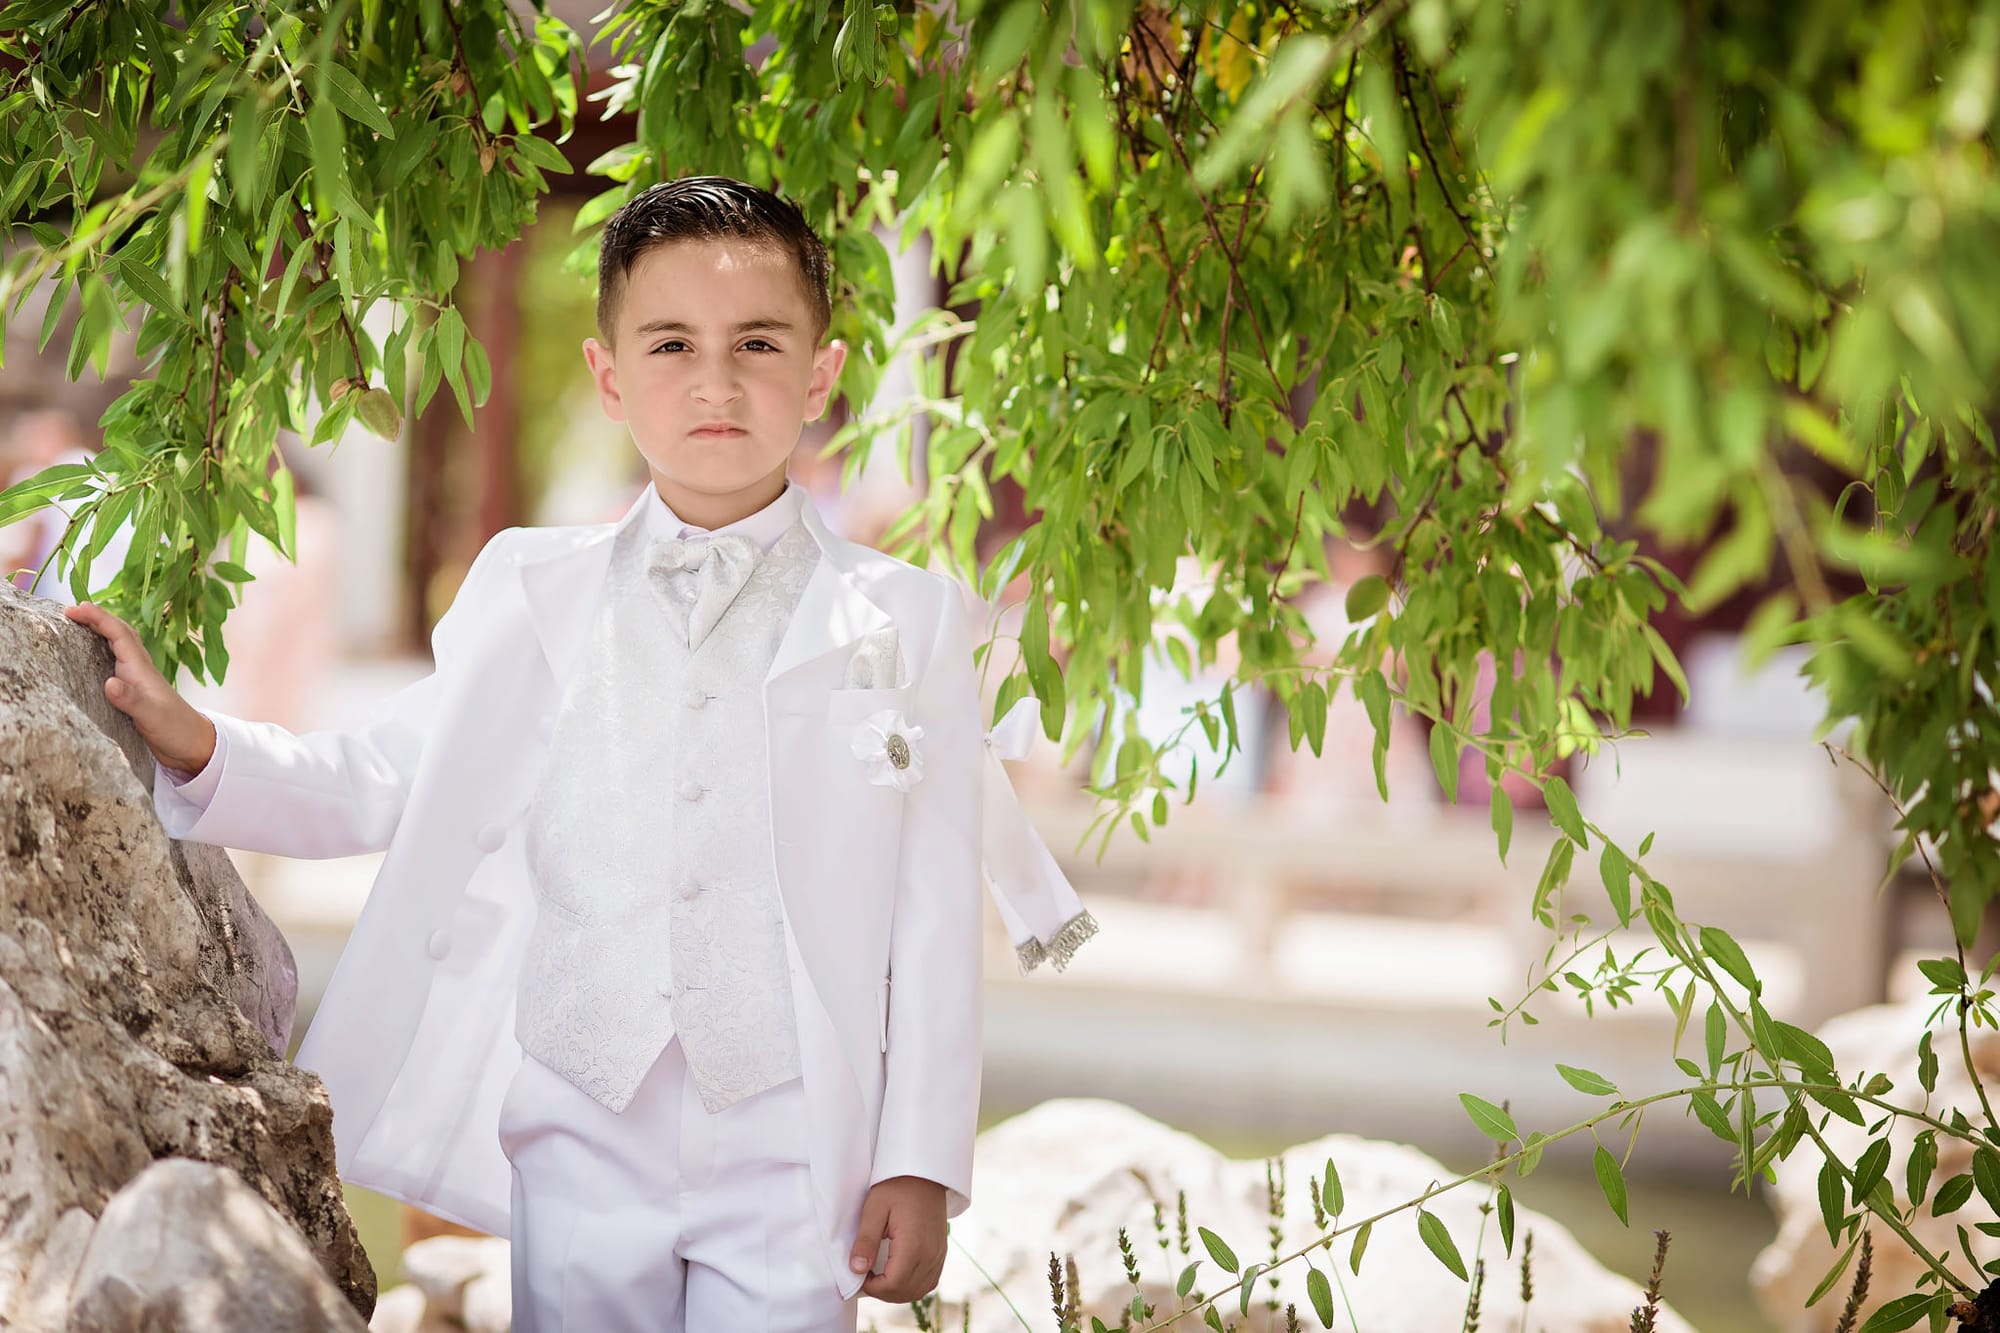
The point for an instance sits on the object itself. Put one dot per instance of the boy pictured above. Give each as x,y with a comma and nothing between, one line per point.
671,971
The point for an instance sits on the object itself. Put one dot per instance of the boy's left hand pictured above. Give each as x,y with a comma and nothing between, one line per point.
909,1210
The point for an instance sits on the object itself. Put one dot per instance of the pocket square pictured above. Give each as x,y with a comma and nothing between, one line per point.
877,662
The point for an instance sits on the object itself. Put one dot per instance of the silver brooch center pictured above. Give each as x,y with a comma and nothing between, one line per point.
899,751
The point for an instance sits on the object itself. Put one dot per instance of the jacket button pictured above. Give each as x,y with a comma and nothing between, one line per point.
695,697
492,837
690,890
690,790
438,945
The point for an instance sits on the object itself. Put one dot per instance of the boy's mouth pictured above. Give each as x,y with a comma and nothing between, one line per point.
718,428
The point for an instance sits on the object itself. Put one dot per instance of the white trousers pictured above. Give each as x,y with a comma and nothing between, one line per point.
664,1219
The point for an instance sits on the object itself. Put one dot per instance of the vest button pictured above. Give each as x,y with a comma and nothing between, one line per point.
690,790
438,945
491,838
695,697
690,891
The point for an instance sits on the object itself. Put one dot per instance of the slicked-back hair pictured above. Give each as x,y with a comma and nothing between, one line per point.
706,208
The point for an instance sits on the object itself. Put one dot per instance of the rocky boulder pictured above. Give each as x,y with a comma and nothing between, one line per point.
145,1000
1880,1039
189,1245
1066,1175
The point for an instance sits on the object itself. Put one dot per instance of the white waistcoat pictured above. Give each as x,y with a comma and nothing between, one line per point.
649,846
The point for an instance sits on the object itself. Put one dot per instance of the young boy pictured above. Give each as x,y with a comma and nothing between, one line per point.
672,969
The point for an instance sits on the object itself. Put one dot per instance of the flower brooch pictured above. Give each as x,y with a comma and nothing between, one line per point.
886,742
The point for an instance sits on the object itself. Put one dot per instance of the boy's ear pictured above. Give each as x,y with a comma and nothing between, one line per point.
605,371
827,362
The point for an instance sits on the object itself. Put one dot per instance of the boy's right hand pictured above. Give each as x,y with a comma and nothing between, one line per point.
177,734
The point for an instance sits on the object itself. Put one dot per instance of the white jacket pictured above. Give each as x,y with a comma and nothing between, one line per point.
414,1037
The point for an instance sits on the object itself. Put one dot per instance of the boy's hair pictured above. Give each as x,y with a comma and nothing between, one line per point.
702,208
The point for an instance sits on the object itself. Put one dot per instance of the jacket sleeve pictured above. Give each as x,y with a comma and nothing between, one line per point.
324,793
930,1106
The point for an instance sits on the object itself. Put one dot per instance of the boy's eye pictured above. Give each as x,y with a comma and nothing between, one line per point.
757,344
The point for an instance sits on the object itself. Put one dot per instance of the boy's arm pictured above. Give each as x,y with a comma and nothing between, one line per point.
930,1106
263,788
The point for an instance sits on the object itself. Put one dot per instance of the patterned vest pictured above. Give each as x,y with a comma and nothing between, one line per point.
649,842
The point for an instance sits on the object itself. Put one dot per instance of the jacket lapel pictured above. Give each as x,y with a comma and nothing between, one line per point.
833,611
564,586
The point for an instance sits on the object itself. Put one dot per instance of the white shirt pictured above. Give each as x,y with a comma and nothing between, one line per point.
763,527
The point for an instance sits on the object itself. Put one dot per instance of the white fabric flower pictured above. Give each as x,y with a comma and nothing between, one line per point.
887,743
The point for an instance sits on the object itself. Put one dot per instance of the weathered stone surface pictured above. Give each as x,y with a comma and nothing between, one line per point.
189,1245
144,998
1880,1039
1068,1174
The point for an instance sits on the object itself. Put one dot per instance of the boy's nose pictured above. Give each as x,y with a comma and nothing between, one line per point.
715,386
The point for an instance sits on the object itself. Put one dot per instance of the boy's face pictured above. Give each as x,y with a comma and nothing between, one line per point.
707,333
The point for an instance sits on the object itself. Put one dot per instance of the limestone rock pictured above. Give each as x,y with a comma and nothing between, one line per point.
144,999
1067,1175
459,1283
189,1245
1880,1039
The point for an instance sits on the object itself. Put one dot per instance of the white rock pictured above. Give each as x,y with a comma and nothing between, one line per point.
1881,1039
441,1266
400,1310
457,1283
188,1245
1067,1175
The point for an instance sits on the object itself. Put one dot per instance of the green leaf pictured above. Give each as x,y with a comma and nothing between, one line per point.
1594,1085
1501,813
543,154
1562,809
1611,1180
1986,1175
1951,1196
1330,1194
1320,1293
1360,1248
1366,596
1872,1166
1489,1119
353,99
1833,1274
1439,1242
1444,759
1927,1064
1899,1313
1715,1036
1946,976
1728,955
1504,1207
1616,872
1917,1172
1186,1282
1832,1200
1218,1251
1247,1290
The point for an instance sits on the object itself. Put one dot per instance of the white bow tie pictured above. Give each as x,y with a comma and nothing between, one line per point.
699,576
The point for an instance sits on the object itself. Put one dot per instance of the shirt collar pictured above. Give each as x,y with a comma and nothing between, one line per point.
763,527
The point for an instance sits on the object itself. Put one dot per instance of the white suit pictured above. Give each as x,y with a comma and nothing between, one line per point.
415,1035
